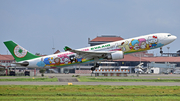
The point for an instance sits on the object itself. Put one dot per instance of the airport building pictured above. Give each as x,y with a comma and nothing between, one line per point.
6,60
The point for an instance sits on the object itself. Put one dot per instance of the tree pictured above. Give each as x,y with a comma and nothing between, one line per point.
42,71
37,54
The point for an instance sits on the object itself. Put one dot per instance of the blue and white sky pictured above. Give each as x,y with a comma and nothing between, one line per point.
34,24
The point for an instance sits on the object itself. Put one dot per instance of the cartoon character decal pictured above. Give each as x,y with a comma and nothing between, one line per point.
142,43
135,44
152,40
49,60
41,63
57,61
72,58
79,59
124,46
65,59
46,61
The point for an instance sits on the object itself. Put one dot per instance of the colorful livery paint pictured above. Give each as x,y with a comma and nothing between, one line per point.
128,46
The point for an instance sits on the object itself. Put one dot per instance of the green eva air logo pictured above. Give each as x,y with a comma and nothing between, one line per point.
20,52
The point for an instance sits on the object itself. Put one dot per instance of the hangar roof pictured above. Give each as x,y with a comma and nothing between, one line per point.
6,57
57,52
150,59
162,59
106,39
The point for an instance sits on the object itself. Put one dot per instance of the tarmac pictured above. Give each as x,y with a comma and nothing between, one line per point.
64,79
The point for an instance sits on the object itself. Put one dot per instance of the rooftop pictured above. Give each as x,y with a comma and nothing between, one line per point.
105,38
6,57
150,59
57,52
162,59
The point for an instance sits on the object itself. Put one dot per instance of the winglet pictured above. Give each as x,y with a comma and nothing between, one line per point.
67,48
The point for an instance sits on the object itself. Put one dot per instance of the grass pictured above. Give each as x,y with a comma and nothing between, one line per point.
33,79
82,92
91,98
100,79
165,76
95,79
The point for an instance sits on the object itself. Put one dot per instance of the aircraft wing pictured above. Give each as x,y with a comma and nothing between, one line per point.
89,54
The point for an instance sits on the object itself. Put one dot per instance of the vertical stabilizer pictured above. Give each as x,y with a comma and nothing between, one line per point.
18,52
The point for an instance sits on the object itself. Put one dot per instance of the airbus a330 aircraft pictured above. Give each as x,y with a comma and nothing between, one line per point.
109,51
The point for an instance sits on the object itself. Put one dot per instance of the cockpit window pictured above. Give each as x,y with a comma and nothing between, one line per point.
169,35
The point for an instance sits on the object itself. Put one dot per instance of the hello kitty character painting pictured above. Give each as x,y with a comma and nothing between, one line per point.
65,59
152,40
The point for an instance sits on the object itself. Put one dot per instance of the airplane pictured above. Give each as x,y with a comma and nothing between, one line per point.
94,54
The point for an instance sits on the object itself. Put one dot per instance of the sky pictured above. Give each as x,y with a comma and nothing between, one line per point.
38,25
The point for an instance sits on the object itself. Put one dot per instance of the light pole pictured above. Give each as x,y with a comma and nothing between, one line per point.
168,50
53,46
161,51
140,57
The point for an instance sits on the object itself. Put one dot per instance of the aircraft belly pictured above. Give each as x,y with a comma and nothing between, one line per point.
61,60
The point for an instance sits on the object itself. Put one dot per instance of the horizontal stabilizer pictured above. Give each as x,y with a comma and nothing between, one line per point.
67,48
24,63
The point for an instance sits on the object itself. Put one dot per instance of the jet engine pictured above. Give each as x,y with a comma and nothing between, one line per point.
25,63
116,55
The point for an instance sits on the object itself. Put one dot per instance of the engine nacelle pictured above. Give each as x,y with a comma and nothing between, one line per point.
25,64
116,55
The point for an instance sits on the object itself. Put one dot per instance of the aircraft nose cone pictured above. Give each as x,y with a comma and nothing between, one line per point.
174,37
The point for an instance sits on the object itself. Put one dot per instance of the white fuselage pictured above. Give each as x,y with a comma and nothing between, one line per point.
128,46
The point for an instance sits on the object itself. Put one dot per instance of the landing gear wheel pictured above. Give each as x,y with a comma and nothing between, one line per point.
93,68
96,65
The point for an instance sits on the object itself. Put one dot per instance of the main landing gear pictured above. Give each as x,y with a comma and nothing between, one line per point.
96,65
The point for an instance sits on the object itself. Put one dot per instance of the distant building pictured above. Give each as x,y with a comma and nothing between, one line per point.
103,39
6,60
57,52
177,54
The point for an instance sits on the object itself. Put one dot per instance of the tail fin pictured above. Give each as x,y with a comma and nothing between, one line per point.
18,52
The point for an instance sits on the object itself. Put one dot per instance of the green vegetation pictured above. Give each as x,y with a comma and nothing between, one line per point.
82,92
42,71
101,79
93,79
31,79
